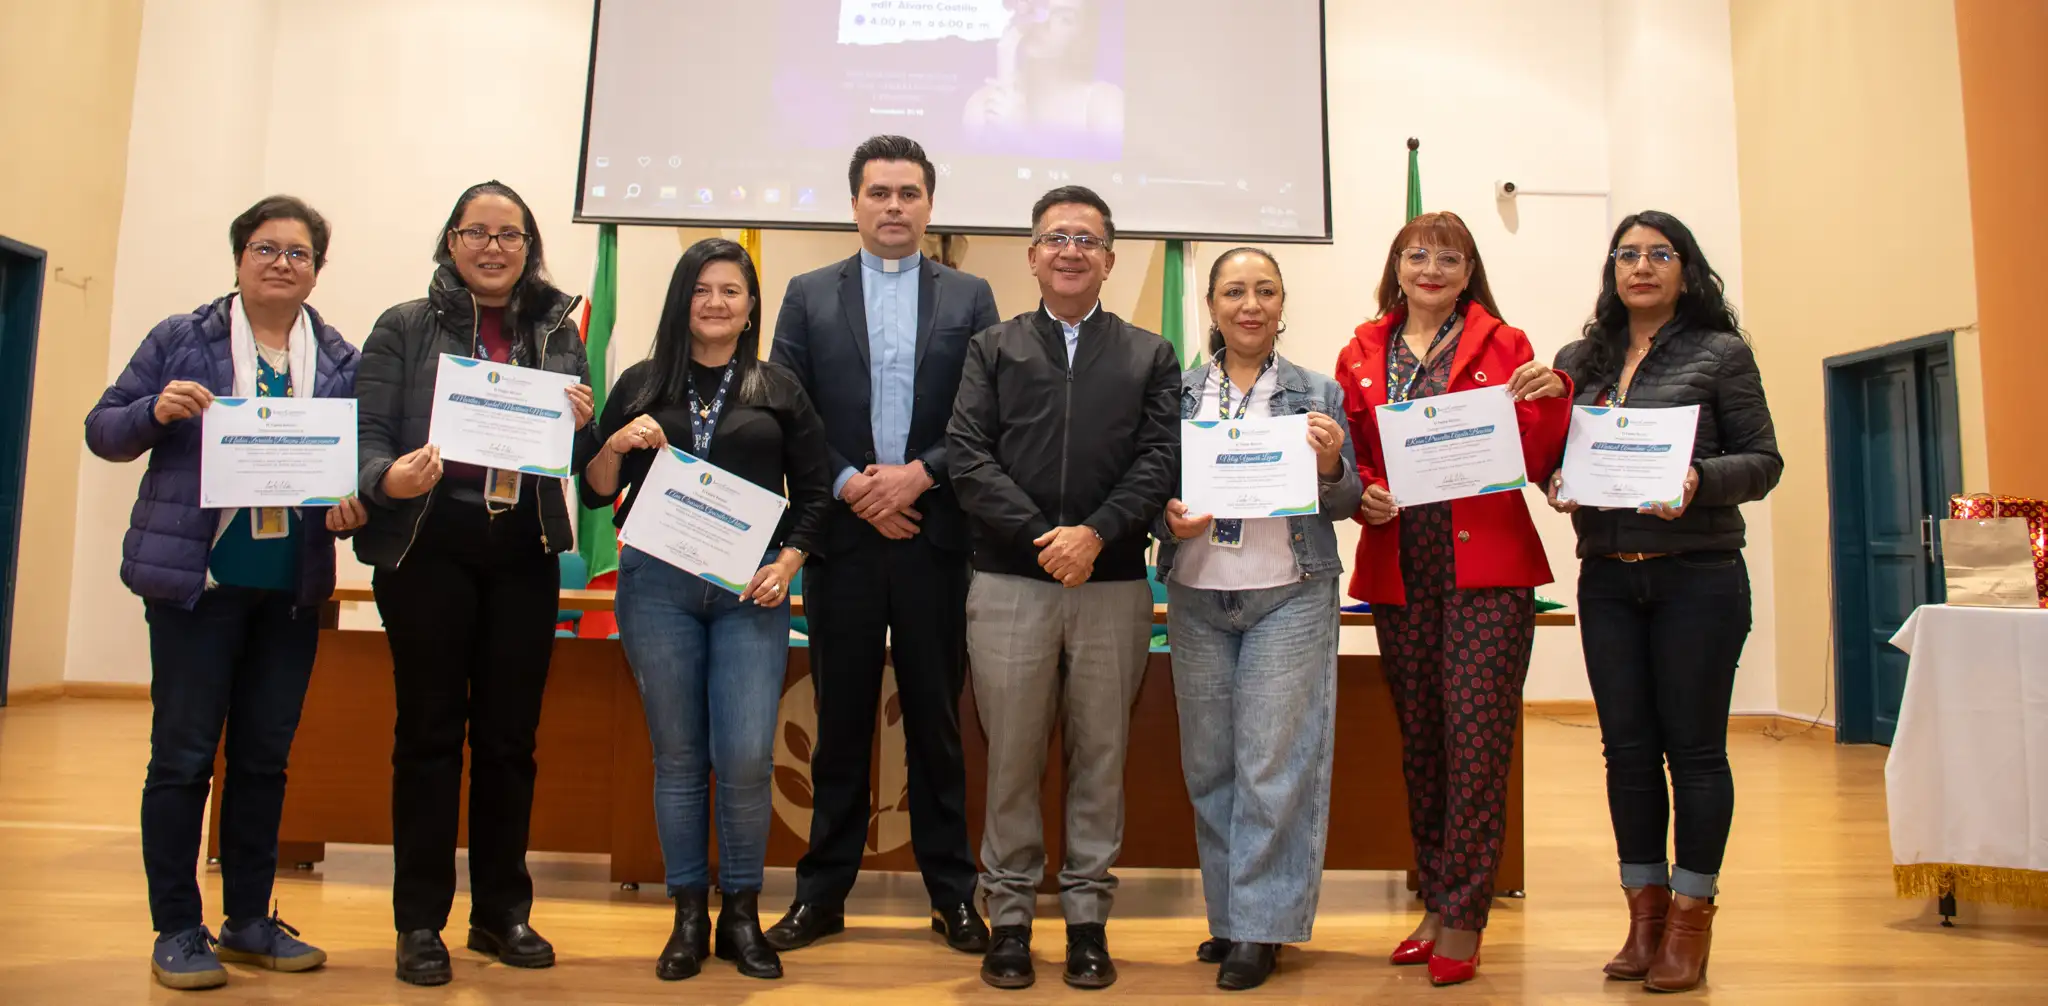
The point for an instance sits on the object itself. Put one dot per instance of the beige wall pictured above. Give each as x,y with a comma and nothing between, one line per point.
66,71
1856,233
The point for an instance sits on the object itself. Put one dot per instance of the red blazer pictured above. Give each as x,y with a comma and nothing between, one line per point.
1495,541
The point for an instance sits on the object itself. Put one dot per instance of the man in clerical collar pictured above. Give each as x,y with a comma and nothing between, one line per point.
1064,449
878,340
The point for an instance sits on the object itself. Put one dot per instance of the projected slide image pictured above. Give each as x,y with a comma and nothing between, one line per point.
714,111
1038,78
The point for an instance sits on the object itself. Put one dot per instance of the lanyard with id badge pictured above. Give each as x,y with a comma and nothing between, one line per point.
267,523
1228,532
501,486
704,418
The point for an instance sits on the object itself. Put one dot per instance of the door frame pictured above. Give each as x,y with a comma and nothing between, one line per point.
1844,429
36,262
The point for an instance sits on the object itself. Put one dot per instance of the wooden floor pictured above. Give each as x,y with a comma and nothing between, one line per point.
1807,911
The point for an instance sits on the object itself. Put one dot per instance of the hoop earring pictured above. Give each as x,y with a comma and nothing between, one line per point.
1282,329
746,326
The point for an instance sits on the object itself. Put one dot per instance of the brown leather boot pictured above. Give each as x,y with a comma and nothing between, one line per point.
1681,961
1647,907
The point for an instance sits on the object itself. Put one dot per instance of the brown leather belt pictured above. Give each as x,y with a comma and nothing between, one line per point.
1635,556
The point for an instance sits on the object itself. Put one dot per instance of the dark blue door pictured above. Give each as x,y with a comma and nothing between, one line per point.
21,293
1893,460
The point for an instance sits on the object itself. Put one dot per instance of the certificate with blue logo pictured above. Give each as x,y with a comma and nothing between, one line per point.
1628,458
1247,467
277,452
702,519
500,416
1448,447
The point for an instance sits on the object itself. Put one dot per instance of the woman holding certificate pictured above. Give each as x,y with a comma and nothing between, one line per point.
1451,582
466,576
710,660
228,592
1253,604
1664,603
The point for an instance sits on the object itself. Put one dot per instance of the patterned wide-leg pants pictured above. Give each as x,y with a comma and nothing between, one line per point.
1455,661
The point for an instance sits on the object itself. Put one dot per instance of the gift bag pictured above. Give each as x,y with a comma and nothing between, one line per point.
2033,512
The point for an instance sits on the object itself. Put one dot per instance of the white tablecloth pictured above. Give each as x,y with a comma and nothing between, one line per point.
1967,778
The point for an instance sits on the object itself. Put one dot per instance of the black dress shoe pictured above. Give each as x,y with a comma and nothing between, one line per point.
740,939
1088,963
515,945
1213,950
690,942
1247,965
423,958
962,927
804,924
1007,965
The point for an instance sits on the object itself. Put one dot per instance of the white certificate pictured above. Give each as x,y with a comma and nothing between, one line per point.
1628,457
277,452
702,519
501,416
1248,467
1451,446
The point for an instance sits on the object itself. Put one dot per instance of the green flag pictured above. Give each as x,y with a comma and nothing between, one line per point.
1414,178
1173,299
596,540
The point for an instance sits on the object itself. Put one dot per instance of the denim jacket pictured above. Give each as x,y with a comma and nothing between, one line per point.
1314,537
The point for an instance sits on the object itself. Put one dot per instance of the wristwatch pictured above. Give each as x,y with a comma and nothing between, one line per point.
929,472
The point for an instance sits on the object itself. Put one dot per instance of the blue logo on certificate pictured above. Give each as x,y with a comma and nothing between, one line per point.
1621,423
1429,412
704,479
1234,433
494,377
263,413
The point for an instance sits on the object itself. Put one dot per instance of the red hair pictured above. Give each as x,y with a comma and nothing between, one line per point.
1442,229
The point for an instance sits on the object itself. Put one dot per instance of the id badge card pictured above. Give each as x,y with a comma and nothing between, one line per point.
1227,532
501,486
268,522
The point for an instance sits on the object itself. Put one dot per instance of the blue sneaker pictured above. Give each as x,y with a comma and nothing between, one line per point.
269,943
185,960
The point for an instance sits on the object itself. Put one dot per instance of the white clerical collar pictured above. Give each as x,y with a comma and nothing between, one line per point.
880,264
1071,324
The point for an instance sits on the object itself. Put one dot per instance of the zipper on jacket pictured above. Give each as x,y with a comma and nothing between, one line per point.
1066,437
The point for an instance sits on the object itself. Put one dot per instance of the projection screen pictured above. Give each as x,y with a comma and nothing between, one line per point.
1200,119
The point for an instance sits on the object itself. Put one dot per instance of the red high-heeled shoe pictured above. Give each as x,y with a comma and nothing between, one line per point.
1447,971
1412,952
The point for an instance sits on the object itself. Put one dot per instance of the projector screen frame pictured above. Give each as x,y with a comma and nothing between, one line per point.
1329,235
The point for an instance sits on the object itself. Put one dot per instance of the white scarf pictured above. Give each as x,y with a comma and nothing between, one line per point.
242,350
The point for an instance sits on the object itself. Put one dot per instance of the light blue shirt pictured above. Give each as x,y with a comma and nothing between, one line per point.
889,291
1073,332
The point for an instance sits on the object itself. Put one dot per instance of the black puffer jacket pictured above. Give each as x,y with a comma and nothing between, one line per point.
1735,449
395,402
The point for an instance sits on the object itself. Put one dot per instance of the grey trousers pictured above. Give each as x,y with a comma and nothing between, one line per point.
1036,649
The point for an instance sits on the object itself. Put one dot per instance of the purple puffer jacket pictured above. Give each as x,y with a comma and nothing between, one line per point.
169,540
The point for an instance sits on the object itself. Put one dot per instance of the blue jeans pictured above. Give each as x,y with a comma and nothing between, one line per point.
1255,679
241,657
710,671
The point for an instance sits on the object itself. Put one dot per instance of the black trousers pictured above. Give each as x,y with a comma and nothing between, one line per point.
909,599
470,615
1662,638
242,658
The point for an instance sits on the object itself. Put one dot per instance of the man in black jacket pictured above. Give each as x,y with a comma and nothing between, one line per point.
1064,446
877,341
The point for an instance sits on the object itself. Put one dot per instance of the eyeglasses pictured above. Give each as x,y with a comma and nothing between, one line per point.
477,239
266,253
1418,258
1661,255
1059,240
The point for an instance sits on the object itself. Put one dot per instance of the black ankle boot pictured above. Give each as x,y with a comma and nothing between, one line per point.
690,942
740,939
